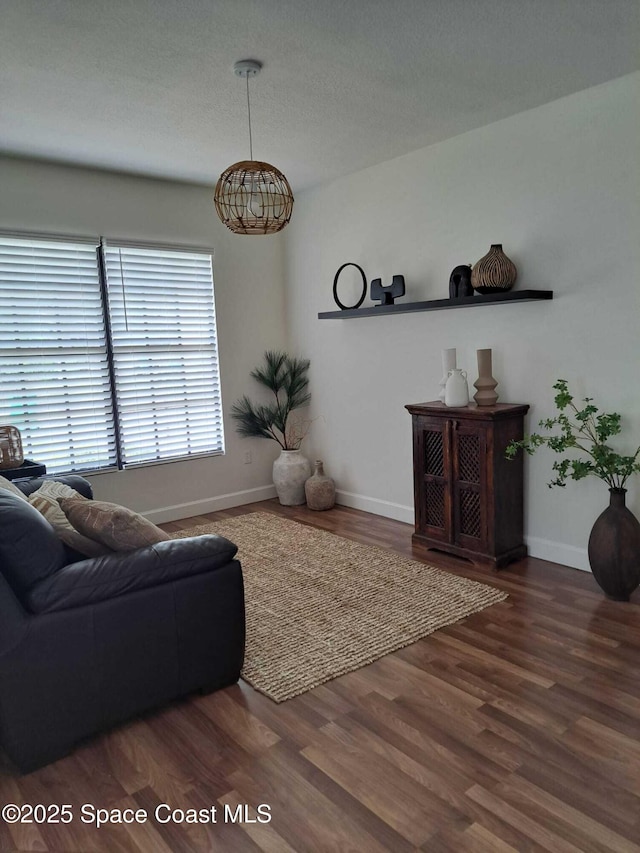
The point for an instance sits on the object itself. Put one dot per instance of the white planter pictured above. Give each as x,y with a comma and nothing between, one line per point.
290,472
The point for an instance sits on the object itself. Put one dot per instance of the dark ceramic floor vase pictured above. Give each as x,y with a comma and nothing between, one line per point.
614,548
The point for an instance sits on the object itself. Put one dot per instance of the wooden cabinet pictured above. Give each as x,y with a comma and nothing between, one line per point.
468,495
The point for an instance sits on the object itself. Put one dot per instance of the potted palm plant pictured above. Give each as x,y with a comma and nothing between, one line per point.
287,379
614,543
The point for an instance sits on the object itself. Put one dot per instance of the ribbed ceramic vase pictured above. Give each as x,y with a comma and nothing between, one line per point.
448,363
485,383
494,273
320,490
290,472
614,548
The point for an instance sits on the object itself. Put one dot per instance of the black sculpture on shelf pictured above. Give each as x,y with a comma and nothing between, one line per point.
387,295
460,282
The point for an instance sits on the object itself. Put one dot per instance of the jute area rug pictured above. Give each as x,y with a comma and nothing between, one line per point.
319,605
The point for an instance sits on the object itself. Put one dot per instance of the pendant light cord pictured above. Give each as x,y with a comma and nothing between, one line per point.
249,112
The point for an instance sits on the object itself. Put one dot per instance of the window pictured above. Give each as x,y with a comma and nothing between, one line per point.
163,333
108,354
53,353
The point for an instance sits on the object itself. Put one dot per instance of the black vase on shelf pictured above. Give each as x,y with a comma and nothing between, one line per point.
460,282
614,548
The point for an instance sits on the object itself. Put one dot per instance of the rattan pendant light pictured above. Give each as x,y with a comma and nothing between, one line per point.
252,197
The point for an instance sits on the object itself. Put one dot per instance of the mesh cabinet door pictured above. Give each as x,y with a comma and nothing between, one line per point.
433,476
469,452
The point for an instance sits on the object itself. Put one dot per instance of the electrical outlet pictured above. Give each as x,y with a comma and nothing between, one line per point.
247,457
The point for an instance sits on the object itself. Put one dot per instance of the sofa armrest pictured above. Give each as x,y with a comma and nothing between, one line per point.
103,578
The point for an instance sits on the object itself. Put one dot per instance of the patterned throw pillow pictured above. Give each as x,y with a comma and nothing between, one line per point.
45,500
114,526
8,485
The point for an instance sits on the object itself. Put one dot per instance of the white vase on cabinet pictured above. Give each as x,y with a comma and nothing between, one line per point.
456,391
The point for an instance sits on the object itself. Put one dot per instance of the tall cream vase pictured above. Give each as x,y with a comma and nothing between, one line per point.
290,472
448,363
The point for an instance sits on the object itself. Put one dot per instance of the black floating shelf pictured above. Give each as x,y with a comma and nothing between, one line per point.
438,304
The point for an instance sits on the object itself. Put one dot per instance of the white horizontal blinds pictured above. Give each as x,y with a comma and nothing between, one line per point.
165,355
54,376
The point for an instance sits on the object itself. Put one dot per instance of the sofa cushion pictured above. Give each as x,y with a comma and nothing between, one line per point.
45,500
117,527
29,548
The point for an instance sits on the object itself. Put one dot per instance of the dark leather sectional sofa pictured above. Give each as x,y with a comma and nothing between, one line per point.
87,643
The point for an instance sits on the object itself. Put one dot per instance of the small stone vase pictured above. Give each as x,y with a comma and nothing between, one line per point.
290,472
495,272
320,489
485,383
614,548
448,363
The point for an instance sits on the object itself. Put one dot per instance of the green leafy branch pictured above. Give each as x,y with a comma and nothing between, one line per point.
585,430
287,379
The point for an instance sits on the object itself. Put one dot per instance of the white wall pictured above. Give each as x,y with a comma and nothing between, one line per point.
559,187
42,197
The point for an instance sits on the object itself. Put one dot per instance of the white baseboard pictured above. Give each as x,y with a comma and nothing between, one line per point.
399,512
201,507
544,549
558,552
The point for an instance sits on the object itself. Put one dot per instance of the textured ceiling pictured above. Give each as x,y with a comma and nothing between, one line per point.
146,86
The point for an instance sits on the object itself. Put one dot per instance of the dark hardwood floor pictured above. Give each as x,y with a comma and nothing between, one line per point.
516,729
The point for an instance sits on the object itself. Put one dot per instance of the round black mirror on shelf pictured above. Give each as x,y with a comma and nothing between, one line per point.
335,287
